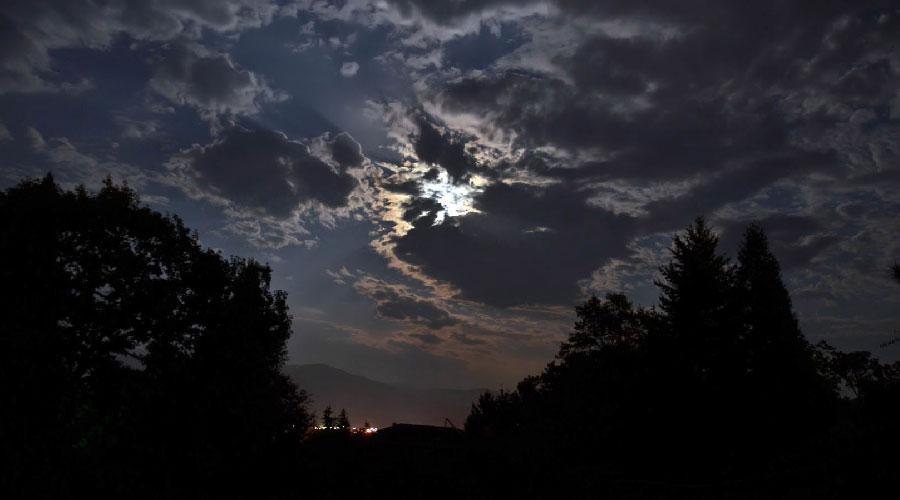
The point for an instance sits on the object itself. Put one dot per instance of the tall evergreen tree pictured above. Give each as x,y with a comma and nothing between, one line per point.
782,386
695,298
343,422
773,339
328,417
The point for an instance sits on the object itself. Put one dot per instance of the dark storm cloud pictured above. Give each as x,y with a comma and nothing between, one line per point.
436,148
211,83
263,169
529,245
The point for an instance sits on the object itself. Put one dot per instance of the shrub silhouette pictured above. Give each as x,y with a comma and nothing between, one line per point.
131,359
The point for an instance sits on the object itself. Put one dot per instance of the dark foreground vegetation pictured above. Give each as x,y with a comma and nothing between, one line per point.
136,364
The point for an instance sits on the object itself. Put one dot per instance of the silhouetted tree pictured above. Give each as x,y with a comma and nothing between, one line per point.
612,321
783,393
328,417
696,292
131,359
714,383
495,415
696,353
343,421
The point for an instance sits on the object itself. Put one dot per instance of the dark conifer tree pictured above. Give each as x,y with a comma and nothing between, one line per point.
343,422
701,329
328,417
776,349
783,391
696,356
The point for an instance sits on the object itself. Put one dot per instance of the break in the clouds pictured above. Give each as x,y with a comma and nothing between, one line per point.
479,165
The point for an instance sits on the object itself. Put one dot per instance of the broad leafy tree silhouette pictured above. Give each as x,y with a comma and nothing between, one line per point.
133,361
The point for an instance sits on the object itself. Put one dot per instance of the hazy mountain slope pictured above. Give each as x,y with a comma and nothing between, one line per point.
379,403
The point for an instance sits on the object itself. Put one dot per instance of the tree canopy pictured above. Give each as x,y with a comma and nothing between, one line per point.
717,382
130,357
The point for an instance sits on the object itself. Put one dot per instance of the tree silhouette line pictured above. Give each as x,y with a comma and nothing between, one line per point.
716,385
341,423
134,363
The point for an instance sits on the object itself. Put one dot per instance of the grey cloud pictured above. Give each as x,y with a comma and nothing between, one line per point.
715,92
410,187
672,140
263,169
714,102
346,151
795,239
5,135
449,12
727,186
399,307
467,339
211,83
728,99
397,302
423,211
349,69
437,148
29,30
427,338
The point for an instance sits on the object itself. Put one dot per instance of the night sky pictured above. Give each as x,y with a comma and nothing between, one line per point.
437,184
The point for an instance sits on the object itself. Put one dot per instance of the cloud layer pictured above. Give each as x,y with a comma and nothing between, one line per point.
479,165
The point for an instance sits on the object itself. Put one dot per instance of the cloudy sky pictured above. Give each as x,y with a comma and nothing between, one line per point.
436,184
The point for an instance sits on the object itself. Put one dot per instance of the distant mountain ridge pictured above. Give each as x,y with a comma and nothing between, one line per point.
379,403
